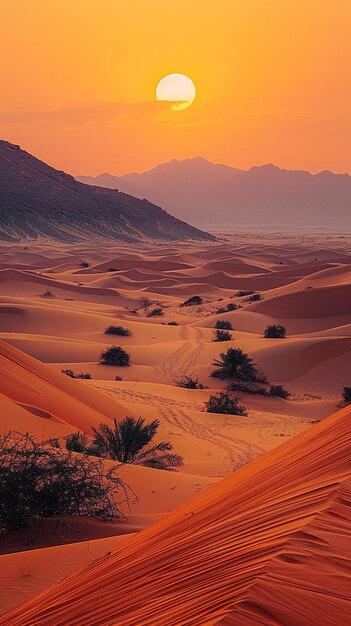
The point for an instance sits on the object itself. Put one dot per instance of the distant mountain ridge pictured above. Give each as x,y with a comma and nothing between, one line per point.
213,194
37,200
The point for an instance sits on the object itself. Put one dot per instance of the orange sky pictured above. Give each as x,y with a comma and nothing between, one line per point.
78,82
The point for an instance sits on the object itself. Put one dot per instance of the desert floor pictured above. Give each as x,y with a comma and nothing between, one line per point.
55,304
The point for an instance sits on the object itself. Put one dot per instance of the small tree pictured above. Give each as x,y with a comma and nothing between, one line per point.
224,325
129,442
222,335
225,404
346,394
190,382
193,301
279,391
115,355
275,331
144,302
235,364
38,480
118,330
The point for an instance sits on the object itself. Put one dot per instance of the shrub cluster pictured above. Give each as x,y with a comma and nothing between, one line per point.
193,301
115,355
38,480
225,404
118,330
190,382
275,331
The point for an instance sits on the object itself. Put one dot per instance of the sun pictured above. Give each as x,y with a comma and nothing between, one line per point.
176,88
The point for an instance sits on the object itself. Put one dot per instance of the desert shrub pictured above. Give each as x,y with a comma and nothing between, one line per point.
155,312
275,331
232,307
115,355
172,323
144,302
225,404
244,292
85,264
130,441
112,269
251,388
118,378
235,364
118,330
190,382
255,297
279,391
69,373
77,442
221,310
346,394
223,325
193,301
222,335
38,480
48,294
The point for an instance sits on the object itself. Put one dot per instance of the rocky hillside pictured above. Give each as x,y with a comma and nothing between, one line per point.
38,201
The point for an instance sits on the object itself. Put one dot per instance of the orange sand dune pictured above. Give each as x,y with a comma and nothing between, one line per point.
28,381
269,545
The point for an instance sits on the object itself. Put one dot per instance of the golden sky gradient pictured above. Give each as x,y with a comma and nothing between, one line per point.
78,81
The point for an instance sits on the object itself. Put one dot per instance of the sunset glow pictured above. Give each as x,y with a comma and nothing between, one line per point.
272,80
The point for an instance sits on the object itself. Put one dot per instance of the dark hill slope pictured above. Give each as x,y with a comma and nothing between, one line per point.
38,201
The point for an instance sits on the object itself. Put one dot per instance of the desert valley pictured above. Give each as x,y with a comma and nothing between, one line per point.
57,302
175,313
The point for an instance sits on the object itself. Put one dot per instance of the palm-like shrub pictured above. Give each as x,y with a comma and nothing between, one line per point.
235,364
225,404
129,441
77,442
275,331
115,355
118,330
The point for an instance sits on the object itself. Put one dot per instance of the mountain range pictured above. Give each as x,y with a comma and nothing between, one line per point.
212,195
37,200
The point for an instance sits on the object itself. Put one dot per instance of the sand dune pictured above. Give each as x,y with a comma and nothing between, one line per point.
27,381
271,543
248,550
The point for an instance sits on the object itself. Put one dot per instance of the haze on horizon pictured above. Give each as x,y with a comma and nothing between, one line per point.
272,79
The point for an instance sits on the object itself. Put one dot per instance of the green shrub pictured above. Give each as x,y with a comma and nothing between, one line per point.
118,330
193,301
222,335
235,364
130,441
155,312
190,382
115,355
225,404
279,391
38,480
275,331
223,325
